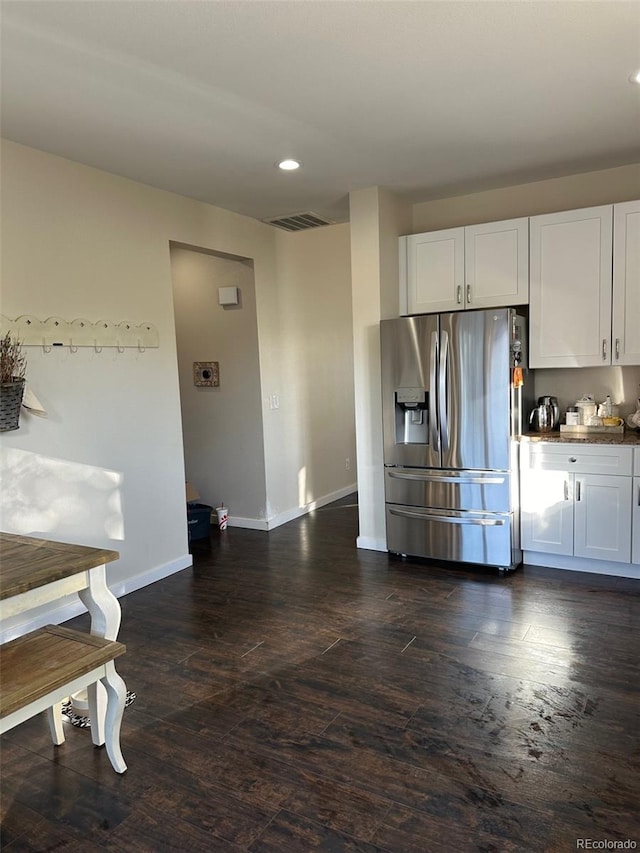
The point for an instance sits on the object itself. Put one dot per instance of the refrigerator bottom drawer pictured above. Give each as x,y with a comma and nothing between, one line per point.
466,537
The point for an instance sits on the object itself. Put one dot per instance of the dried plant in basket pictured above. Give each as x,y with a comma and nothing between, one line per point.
13,366
13,361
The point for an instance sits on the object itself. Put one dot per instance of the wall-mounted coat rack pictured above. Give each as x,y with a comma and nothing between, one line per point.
57,332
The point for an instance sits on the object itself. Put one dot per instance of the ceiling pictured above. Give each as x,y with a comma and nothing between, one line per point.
426,98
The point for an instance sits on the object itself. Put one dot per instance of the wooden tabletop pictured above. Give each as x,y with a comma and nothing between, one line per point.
27,563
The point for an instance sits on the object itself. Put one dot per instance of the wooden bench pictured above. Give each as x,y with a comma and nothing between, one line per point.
40,669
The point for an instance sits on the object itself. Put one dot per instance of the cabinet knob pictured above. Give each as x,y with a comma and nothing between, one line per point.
617,349
572,459
604,349
469,294
459,294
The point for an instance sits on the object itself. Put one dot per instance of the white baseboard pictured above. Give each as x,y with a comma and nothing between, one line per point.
368,543
298,511
71,606
249,523
580,564
289,514
152,575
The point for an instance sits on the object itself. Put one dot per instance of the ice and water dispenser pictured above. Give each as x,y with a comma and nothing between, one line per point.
412,416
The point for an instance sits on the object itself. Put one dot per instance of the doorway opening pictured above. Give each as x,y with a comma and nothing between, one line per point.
221,423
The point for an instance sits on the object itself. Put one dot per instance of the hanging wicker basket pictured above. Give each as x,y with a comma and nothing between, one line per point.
10,402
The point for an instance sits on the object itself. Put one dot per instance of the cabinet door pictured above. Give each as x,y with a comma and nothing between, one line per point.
626,283
570,288
546,519
497,264
435,271
603,517
635,546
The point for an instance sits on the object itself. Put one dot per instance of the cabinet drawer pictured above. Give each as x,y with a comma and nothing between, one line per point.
579,458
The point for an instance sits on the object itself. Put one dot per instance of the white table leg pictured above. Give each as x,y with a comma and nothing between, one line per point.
116,695
104,609
54,718
102,605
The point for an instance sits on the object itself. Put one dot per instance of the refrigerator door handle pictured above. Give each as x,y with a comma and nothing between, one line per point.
447,519
442,390
439,478
433,412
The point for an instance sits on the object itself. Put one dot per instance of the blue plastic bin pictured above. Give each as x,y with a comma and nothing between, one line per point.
199,521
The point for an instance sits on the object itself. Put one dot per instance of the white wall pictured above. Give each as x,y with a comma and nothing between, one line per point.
315,393
571,192
221,426
78,242
569,384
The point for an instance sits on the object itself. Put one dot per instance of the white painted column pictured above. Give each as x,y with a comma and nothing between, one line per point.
377,219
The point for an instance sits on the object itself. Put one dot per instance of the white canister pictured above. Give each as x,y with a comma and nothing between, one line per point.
587,409
572,417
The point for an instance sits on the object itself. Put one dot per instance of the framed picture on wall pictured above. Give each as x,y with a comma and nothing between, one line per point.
206,374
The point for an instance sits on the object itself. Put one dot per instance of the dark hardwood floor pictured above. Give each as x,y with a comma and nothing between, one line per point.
295,694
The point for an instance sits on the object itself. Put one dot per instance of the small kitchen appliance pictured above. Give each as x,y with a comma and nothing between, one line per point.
546,415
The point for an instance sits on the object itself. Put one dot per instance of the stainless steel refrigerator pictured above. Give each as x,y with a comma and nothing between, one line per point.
453,397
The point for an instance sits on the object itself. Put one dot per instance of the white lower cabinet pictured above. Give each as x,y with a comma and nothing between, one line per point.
569,507
547,511
635,549
602,519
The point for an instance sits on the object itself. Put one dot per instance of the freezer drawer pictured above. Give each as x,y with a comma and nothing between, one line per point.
477,490
466,537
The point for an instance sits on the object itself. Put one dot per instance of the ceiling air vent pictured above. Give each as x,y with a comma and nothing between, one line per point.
299,221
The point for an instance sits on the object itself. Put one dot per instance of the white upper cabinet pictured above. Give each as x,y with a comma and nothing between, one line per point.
496,264
434,272
570,288
480,266
626,283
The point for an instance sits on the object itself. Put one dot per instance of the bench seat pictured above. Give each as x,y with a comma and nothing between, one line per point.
40,669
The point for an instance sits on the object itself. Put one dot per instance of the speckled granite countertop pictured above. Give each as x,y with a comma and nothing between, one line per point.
628,437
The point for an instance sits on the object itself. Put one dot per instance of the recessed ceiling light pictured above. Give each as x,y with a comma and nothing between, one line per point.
635,77
289,165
